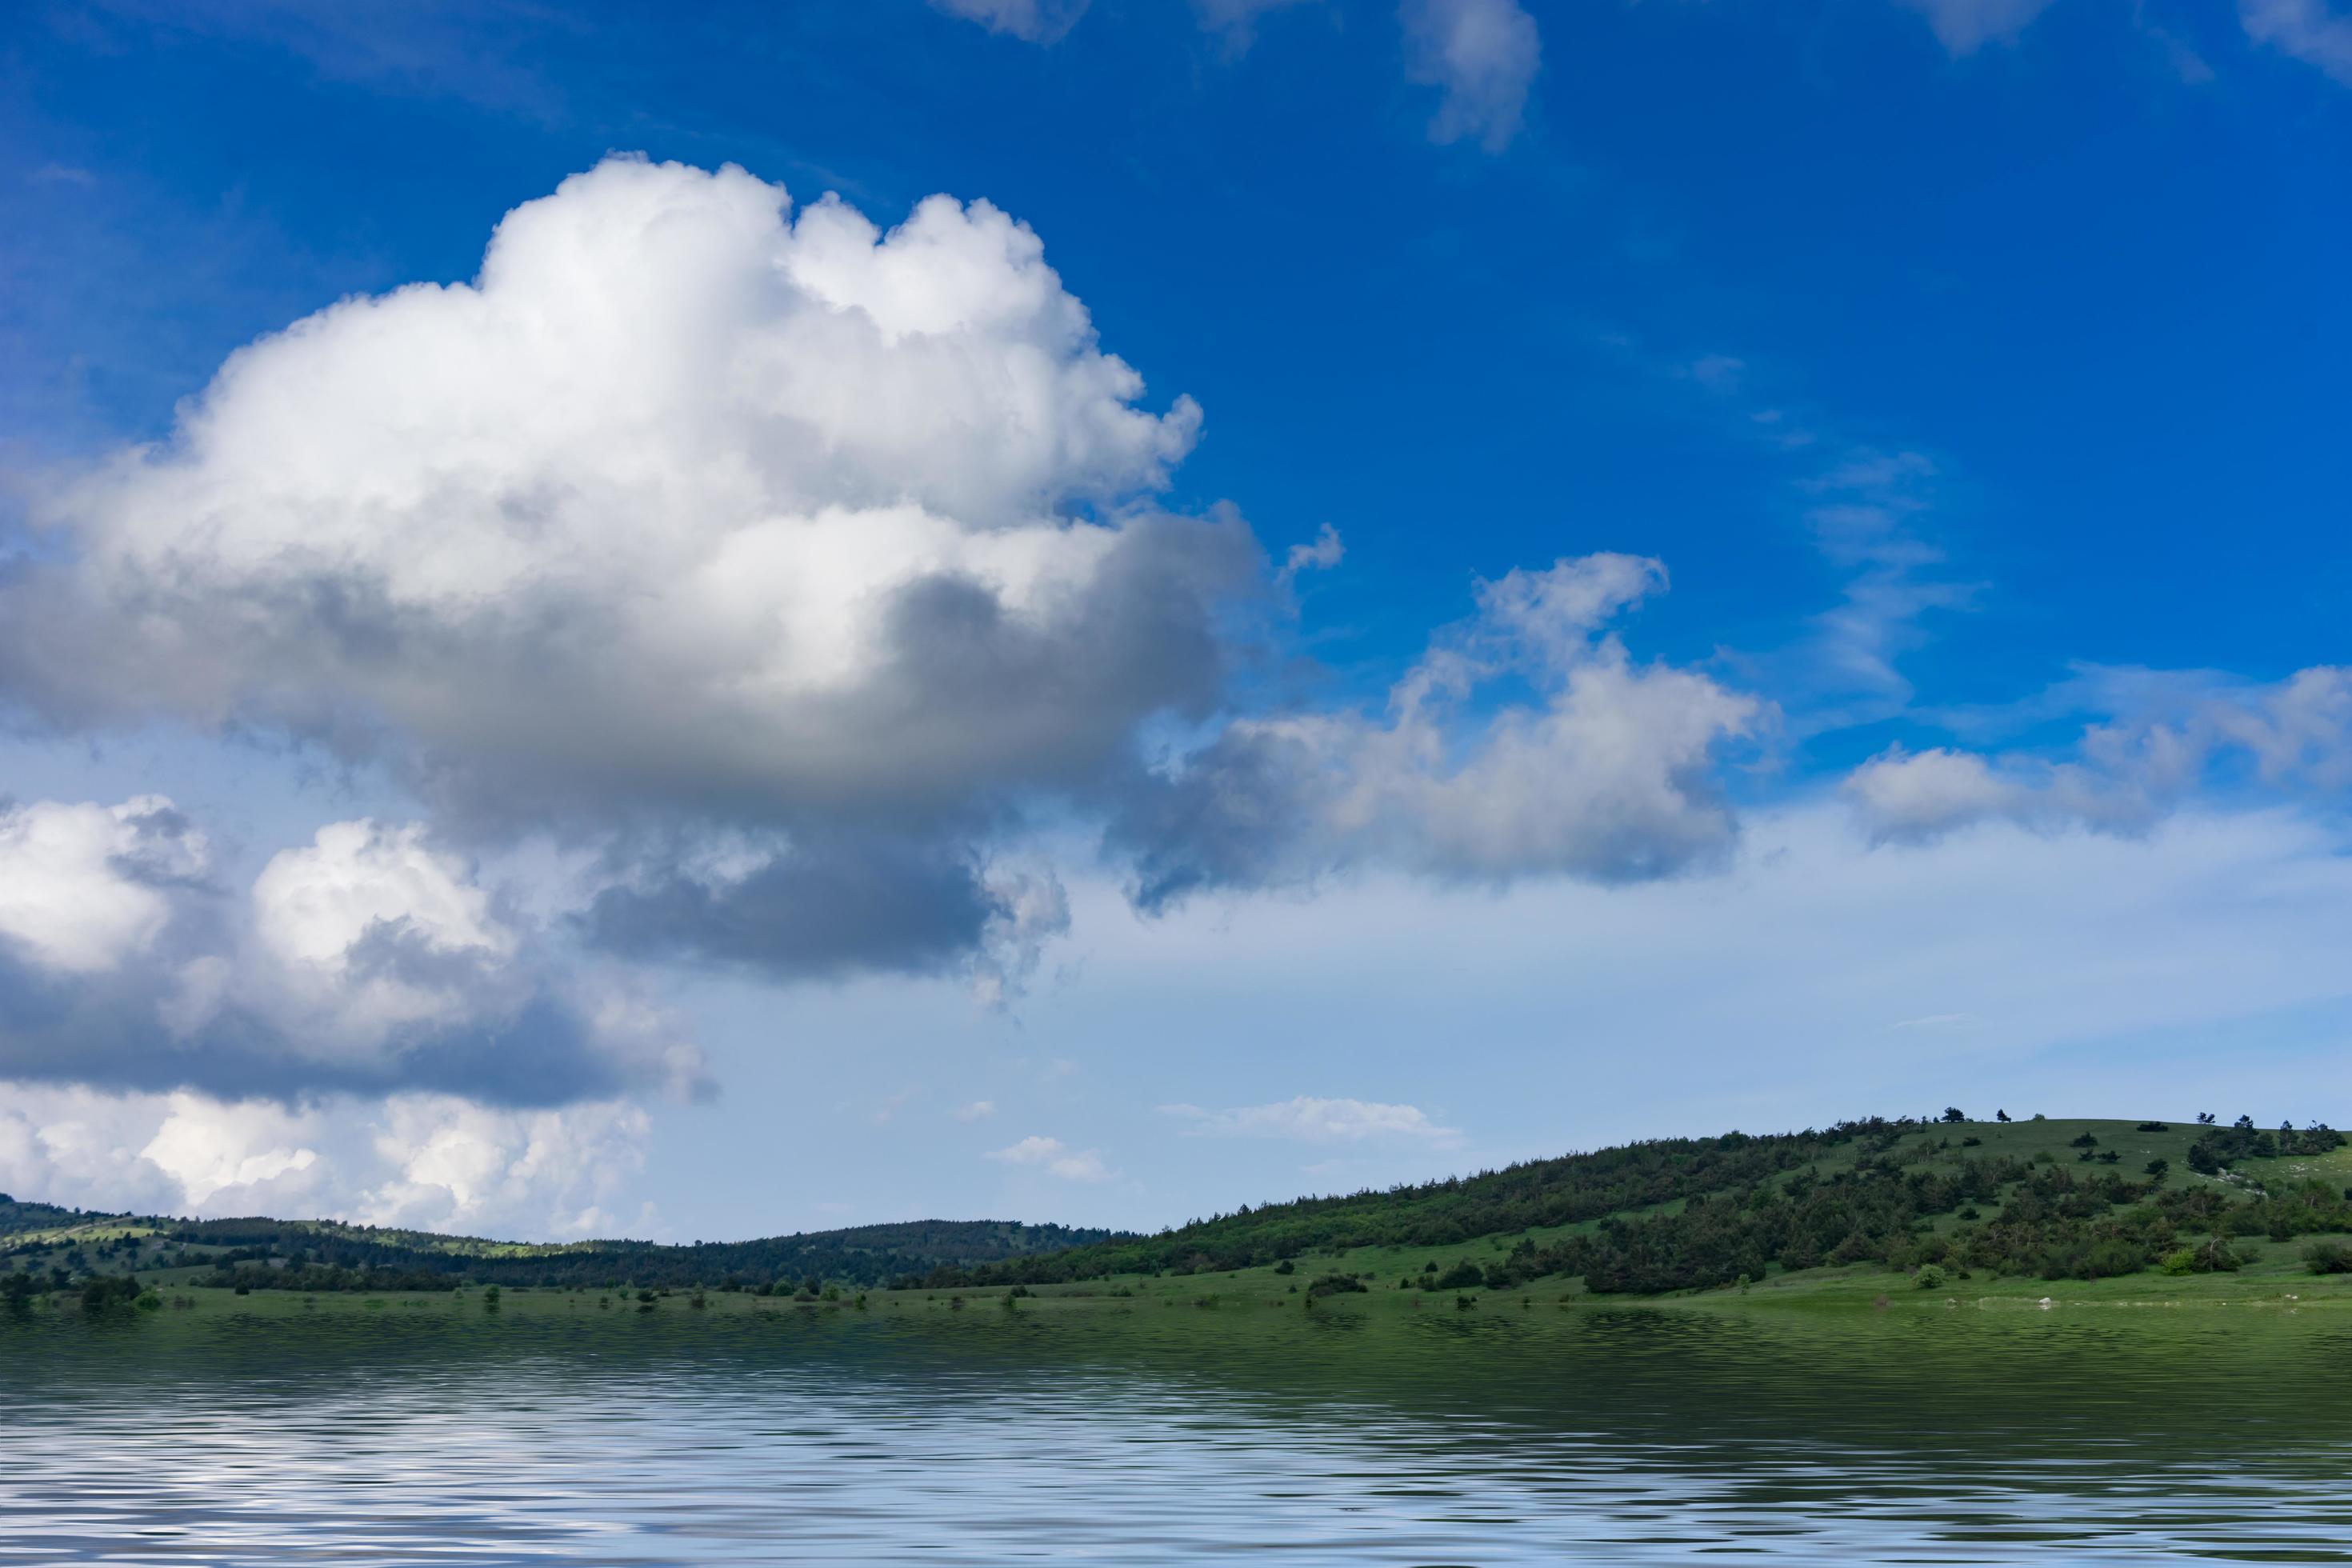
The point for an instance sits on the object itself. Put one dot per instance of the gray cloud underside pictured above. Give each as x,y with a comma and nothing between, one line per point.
824,912
538,715
71,1030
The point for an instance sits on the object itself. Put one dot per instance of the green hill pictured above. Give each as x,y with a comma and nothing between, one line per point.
2049,1199
2035,1199
53,1245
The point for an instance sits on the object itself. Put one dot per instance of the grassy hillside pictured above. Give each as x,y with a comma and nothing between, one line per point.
2047,1199
1997,1207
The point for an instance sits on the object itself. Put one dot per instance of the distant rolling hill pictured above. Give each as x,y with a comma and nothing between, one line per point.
328,1255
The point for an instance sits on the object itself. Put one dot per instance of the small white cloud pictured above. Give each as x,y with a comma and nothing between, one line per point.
1484,55
1941,1021
1913,796
1316,1121
1326,552
1718,373
978,1111
1056,1158
1235,21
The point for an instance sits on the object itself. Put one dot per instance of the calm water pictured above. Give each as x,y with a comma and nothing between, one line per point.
1172,1434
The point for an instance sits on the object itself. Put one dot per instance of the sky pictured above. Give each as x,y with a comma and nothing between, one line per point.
702,623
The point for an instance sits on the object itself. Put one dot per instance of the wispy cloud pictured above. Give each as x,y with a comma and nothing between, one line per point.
2131,767
1323,554
1034,21
1308,1118
1964,26
2306,30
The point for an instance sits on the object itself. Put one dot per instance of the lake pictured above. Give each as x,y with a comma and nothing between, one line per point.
1117,1435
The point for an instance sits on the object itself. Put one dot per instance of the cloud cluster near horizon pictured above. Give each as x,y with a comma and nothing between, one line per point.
364,961
431,1161
782,572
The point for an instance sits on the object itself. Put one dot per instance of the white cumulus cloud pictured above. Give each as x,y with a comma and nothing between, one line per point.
367,959
684,502
1606,775
431,1161
79,882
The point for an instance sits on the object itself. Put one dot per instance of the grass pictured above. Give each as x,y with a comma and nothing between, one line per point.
2274,1278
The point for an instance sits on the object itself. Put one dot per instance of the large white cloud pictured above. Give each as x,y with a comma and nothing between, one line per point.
683,503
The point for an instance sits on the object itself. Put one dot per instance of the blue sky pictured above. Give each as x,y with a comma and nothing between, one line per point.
1832,602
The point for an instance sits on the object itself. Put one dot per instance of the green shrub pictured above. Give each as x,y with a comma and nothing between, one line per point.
1335,1285
1930,1276
2327,1258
